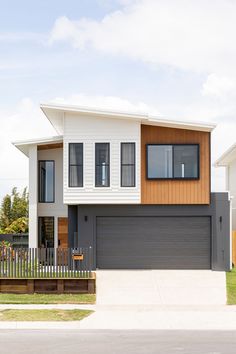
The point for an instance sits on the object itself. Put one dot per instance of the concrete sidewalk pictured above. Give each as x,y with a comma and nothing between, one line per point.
143,318
163,317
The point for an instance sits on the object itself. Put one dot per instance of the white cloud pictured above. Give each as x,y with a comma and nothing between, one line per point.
12,37
218,86
109,102
24,121
186,34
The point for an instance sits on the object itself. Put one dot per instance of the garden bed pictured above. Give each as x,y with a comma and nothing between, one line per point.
48,286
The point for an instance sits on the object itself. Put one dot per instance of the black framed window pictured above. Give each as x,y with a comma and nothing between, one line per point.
127,164
102,164
178,161
46,231
76,165
46,181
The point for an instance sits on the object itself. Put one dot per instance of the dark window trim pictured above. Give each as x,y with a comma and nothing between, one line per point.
39,201
122,164
53,217
76,165
174,178
109,165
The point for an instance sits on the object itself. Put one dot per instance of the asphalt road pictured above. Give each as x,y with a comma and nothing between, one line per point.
116,342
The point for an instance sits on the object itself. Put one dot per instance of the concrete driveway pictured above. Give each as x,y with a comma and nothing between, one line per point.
161,287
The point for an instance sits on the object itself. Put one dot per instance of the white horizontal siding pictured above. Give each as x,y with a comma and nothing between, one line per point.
232,188
90,130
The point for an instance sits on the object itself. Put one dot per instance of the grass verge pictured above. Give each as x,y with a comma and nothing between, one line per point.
43,315
231,287
47,299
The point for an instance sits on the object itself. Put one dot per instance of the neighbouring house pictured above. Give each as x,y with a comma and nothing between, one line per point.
228,160
135,188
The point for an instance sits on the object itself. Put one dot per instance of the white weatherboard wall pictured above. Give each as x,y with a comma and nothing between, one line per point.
89,130
231,186
56,209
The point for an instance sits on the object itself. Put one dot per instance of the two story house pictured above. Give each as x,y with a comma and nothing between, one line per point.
133,187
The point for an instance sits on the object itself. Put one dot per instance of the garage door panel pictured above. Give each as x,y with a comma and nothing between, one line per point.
153,242
161,263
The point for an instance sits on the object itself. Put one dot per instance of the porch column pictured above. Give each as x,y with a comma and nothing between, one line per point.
33,196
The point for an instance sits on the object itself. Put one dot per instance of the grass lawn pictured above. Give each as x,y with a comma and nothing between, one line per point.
231,287
47,299
43,315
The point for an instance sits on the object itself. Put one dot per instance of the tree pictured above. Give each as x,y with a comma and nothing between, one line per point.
5,212
14,212
18,226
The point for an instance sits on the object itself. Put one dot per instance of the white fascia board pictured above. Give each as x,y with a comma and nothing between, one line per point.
199,126
23,145
227,157
49,110
93,111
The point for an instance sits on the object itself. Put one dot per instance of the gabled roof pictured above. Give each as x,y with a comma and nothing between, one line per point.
23,145
55,114
227,157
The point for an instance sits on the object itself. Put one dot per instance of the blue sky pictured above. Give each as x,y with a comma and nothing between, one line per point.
173,58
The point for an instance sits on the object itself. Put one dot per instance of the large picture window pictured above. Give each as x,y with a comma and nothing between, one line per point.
46,181
102,164
127,164
76,165
173,161
46,232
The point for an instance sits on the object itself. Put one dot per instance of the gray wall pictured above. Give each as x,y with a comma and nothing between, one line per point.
72,226
218,210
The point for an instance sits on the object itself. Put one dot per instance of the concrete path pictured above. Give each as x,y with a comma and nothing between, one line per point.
163,317
144,318
161,287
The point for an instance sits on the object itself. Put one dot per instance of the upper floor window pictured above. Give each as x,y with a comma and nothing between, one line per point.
127,164
76,165
173,161
46,181
102,164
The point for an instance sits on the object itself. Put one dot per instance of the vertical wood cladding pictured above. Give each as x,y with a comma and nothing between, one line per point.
63,232
176,191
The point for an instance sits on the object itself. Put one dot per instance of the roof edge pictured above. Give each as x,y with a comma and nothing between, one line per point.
222,160
42,140
23,145
143,117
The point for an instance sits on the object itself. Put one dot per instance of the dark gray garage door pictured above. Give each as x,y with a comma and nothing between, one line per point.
153,243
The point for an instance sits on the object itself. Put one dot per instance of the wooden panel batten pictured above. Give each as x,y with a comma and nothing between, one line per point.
63,232
50,146
176,191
